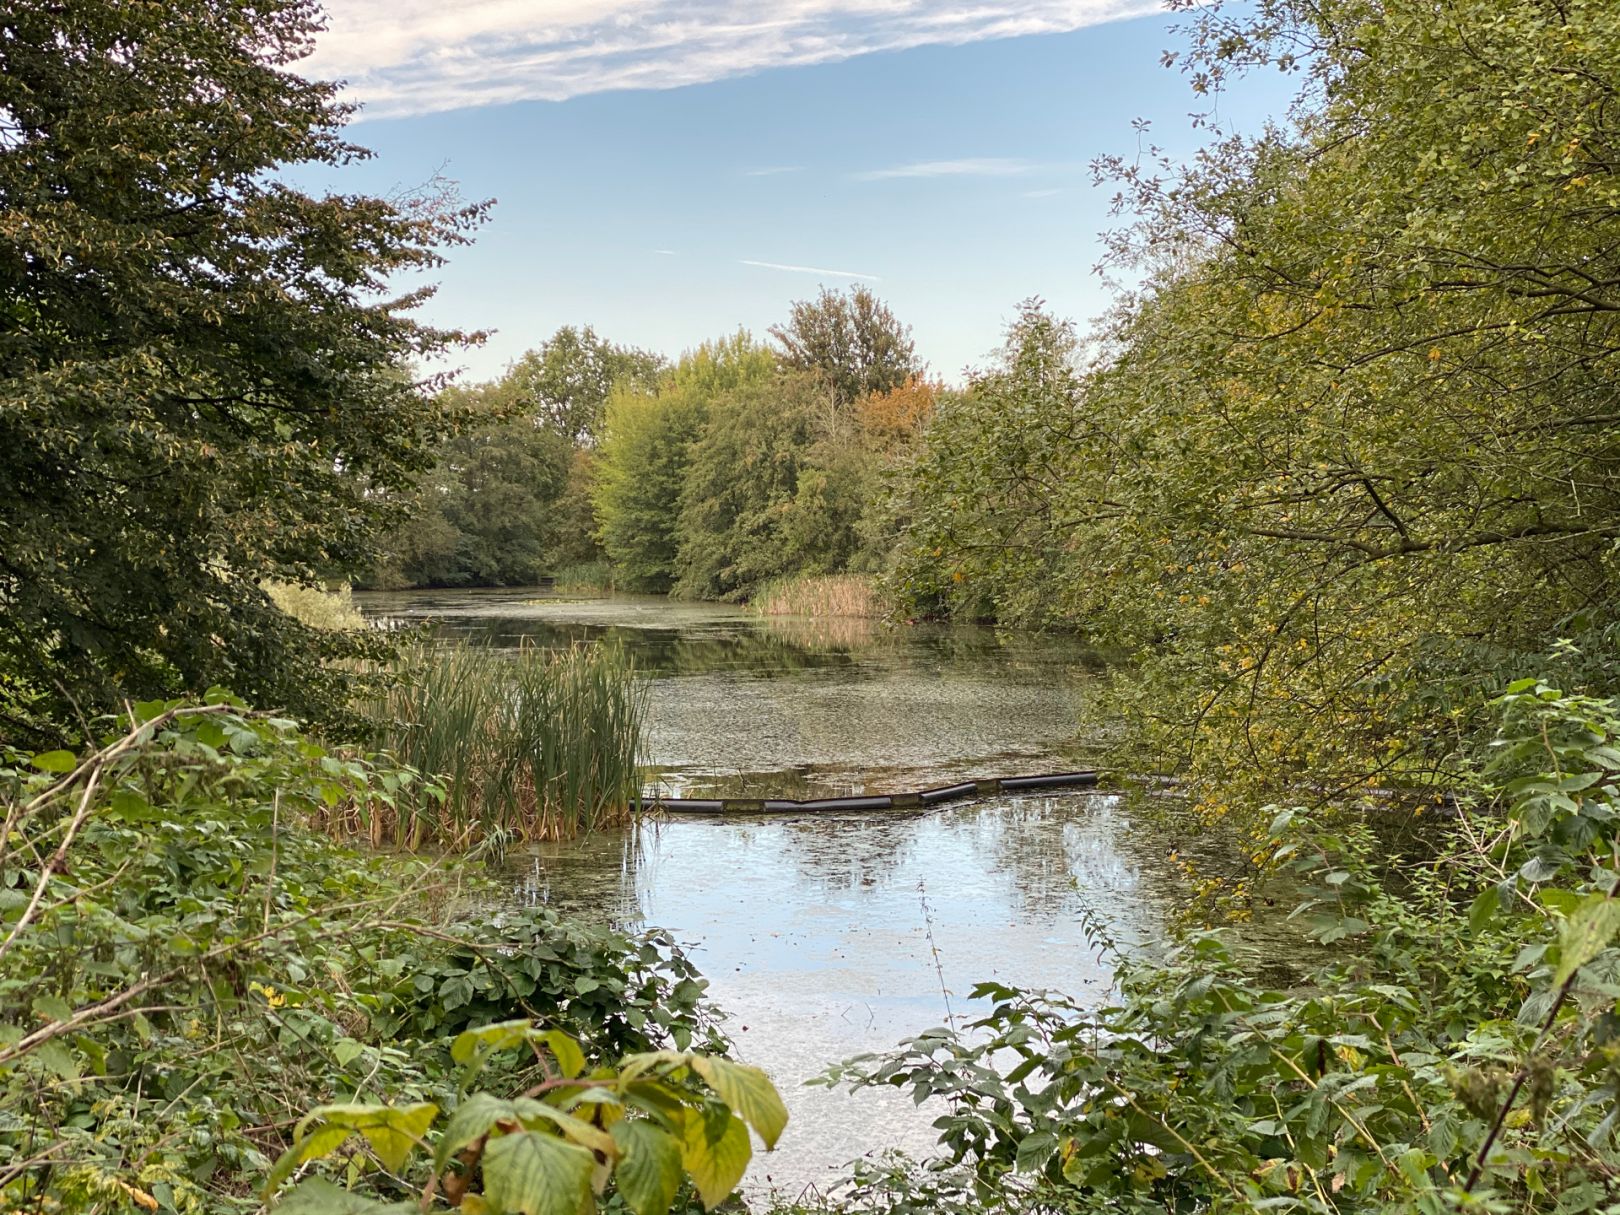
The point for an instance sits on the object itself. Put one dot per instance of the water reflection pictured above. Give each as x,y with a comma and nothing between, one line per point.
816,930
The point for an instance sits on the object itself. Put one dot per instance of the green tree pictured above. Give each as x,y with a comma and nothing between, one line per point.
742,486
851,340
642,465
567,380
202,380
1351,452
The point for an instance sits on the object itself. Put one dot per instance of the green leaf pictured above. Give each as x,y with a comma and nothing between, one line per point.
1483,908
529,1173
715,1151
470,1122
1585,934
474,1044
317,1196
749,1092
649,1172
55,761
397,1131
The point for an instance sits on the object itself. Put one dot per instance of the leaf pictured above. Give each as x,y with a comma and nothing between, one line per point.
470,1122
715,1151
749,1092
1483,908
55,761
397,1131
570,1059
317,1196
474,1044
1586,934
649,1172
528,1173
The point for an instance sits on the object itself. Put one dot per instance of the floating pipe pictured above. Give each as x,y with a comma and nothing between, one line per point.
885,801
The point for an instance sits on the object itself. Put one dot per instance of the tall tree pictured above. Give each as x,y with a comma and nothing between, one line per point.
567,380
202,379
647,449
851,340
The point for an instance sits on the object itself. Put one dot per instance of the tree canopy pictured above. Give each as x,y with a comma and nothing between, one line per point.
851,340
202,375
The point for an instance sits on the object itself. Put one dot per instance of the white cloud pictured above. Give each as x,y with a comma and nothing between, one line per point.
666,253
1041,193
418,56
773,171
809,270
980,166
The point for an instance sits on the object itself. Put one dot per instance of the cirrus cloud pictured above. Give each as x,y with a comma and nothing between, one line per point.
403,57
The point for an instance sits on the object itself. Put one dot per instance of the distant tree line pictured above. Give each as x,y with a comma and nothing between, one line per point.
742,462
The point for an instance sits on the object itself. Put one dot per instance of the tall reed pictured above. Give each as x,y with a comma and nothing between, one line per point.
848,595
527,744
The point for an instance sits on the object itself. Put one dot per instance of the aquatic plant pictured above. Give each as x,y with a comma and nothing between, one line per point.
529,743
851,596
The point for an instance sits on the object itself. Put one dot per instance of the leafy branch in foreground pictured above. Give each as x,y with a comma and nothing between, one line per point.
1455,1046
645,1127
188,968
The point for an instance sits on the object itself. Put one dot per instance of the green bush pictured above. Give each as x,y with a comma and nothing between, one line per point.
186,968
1454,1046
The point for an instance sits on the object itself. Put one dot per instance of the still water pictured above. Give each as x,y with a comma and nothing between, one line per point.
826,936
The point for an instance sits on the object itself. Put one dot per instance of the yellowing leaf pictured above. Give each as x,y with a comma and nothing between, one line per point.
749,1093
529,1173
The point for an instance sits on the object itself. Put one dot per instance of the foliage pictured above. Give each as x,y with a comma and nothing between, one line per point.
185,969
851,341
644,1127
508,502
980,496
1347,457
201,378
1453,1048
565,383
742,486
530,744
318,607
645,453
487,514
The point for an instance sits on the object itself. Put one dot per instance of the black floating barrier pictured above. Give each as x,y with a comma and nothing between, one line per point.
1055,780
890,801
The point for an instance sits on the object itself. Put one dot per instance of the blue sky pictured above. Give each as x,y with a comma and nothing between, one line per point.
907,144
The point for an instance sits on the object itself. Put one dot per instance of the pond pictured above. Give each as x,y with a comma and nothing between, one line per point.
825,935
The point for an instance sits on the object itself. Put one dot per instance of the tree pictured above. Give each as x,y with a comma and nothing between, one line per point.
566,382
1350,456
645,452
202,383
852,341
741,485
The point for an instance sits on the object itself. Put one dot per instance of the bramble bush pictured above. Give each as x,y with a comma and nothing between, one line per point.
186,970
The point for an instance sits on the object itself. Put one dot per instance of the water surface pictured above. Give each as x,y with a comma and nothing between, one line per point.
829,935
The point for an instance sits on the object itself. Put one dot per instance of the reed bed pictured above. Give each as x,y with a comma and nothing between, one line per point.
529,744
841,595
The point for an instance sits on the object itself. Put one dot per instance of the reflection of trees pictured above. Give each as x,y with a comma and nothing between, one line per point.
835,855
599,876
1055,853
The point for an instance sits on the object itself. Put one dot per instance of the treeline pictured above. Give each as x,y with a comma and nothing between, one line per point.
743,462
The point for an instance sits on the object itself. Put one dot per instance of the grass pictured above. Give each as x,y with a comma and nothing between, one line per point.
585,576
841,595
529,744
